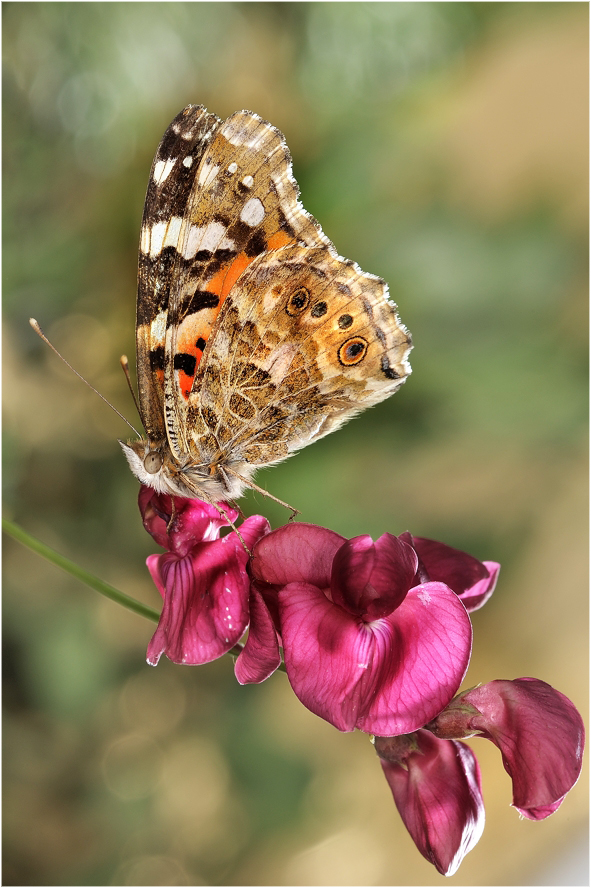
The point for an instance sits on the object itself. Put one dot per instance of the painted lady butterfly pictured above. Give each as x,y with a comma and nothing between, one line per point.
254,338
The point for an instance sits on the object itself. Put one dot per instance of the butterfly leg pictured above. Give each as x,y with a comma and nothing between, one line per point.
235,505
261,490
226,517
172,515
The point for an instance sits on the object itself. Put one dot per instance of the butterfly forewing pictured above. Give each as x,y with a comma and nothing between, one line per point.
171,180
244,203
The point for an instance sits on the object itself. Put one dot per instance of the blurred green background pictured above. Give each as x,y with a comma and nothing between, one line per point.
441,146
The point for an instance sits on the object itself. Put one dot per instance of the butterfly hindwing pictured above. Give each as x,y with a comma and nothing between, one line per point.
304,341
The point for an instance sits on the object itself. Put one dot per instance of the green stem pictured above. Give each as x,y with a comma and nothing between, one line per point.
105,589
40,548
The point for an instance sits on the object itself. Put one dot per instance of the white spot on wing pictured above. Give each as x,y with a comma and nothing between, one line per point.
207,173
237,131
222,346
253,212
233,167
171,237
188,162
145,240
208,237
162,169
156,236
158,327
280,362
248,181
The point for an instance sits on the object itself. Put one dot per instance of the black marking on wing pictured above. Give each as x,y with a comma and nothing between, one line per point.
185,362
157,358
387,370
202,299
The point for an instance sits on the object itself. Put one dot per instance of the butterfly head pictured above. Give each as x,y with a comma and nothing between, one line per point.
152,464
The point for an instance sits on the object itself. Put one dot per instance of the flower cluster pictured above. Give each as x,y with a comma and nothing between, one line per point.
375,636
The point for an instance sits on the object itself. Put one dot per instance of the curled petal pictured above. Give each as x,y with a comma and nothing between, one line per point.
372,579
478,594
473,580
194,521
540,735
206,593
260,656
436,788
386,677
296,553
538,730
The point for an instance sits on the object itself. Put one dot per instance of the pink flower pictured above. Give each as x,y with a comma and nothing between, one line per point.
205,585
366,645
436,788
538,730
435,779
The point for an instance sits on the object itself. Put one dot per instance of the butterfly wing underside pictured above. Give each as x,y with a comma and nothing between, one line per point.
244,204
305,340
171,181
254,337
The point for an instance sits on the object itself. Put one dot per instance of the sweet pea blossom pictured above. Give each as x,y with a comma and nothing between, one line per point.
376,636
436,788
367,643
435,779
205,585
538,731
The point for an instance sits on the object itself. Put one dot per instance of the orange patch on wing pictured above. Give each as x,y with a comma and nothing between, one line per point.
222,282
185,384
280,239
189,347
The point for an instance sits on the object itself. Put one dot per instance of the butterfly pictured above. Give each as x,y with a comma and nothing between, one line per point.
254,337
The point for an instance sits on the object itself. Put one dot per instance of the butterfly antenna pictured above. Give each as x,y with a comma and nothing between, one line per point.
125,365
40,333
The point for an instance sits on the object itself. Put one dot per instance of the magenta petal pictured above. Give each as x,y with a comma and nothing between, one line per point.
154,520
540,735
153,563
542,811
251,531
205,608
438,795
326,653
260,656
455,568
296,553
351,572
372,579
422,653
194,521
478,594
386,677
